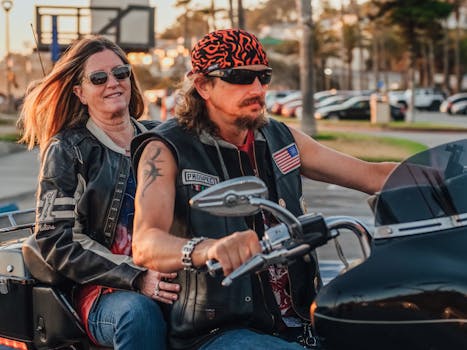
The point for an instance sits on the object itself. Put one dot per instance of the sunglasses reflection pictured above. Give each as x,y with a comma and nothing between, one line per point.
243,76
100,77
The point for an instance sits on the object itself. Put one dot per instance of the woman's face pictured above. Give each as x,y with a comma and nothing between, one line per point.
111,98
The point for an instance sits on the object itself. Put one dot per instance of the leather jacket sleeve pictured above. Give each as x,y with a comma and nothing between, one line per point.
62,228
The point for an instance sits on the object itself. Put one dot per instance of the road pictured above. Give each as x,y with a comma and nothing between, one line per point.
18,172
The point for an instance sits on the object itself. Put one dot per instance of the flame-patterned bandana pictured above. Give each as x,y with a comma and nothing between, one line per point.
226,48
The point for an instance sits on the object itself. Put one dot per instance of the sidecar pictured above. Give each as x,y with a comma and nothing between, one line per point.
411,293
33,315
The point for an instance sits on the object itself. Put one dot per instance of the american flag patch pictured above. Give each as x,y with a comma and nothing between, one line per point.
287,158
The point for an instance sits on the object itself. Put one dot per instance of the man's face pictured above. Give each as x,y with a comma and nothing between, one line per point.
239,104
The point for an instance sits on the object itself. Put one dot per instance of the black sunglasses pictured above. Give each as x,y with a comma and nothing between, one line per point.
243,76
100,77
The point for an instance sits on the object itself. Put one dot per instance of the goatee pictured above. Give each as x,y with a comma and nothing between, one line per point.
249,123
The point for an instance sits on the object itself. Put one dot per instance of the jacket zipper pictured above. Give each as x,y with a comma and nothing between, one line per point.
260,280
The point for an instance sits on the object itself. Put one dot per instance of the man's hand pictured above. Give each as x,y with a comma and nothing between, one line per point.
234,250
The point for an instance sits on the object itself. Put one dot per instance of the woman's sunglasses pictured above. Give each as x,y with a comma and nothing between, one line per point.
100,77
243,76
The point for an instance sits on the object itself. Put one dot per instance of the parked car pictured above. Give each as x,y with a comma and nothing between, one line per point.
459,108
426,98
332,100
273,95
357,107
277,106
446,106
289,109
321,95
397,97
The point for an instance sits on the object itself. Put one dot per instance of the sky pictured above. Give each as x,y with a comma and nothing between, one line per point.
23,12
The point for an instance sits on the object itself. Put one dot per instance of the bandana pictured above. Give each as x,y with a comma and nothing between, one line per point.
226,48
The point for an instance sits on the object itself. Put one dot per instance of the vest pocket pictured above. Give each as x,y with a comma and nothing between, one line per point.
204,305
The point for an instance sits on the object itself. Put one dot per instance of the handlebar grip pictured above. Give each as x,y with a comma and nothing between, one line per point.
213,267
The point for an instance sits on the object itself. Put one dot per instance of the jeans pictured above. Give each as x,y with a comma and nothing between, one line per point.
127,320
244,339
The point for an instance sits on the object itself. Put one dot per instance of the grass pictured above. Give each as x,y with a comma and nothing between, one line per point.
10,137
370,148
367,124
367,147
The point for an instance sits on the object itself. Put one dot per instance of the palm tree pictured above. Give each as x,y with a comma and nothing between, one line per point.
412,17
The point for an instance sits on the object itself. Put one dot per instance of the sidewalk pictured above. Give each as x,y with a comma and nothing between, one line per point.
18,176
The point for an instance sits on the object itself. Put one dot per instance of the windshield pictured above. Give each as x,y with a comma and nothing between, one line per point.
428,190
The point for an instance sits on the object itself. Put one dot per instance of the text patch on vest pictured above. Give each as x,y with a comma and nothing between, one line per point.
195,177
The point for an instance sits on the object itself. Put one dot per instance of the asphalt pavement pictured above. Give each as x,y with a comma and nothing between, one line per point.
19,170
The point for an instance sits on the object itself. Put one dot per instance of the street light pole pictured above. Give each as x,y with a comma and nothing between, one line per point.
7,5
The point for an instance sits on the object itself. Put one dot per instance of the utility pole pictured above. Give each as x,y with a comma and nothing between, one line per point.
7,5
308,123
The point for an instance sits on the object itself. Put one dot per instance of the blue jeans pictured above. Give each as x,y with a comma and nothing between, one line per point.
127,320
244,339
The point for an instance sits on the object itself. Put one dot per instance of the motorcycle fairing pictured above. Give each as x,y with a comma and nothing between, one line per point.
411,293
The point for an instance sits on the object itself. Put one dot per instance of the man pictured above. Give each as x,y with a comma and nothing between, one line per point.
220,132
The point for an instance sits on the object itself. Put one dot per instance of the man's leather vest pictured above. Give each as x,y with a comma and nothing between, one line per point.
204,306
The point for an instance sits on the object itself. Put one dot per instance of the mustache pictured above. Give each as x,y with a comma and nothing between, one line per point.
253,100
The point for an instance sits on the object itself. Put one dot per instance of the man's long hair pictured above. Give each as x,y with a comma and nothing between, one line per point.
51,106
190,107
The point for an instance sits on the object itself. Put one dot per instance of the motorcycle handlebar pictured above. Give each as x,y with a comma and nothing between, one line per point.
279,239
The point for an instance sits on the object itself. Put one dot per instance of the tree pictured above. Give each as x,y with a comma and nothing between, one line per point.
271,12
351,40
241,14
412,17
456,5
308,123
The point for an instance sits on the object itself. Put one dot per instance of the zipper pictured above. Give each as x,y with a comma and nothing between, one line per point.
240,162
243,174
255,163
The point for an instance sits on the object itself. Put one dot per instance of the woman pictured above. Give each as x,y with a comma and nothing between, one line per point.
83,117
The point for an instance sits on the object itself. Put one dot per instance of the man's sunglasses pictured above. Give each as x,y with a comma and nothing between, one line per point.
243,76
100,77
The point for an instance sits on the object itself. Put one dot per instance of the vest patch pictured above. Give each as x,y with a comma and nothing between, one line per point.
195,177
287,158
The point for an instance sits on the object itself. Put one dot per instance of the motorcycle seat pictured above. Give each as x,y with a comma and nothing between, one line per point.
38,267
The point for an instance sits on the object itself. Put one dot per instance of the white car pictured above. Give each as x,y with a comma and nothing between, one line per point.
459,107
425,98
450,101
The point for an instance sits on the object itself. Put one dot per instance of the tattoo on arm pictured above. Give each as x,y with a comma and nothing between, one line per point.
152,171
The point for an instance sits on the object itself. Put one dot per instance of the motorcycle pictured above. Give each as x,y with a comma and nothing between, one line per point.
408,291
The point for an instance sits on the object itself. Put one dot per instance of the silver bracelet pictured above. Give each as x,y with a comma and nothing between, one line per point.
187,250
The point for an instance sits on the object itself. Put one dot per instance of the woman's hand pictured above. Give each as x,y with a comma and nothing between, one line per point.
157,286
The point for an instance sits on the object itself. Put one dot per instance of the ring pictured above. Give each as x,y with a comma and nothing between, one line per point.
157,289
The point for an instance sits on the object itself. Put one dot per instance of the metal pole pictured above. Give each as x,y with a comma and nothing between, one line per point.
7,5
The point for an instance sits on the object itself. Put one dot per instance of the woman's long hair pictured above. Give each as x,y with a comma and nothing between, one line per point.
190,107
51,106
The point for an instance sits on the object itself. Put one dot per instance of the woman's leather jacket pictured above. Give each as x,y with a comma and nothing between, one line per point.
82,181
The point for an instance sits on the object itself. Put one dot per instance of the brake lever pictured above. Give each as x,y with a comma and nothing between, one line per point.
213,266
273,239
261,261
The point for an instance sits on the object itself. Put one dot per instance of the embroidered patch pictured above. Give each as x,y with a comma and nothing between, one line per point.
287,158
194,177
49,201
